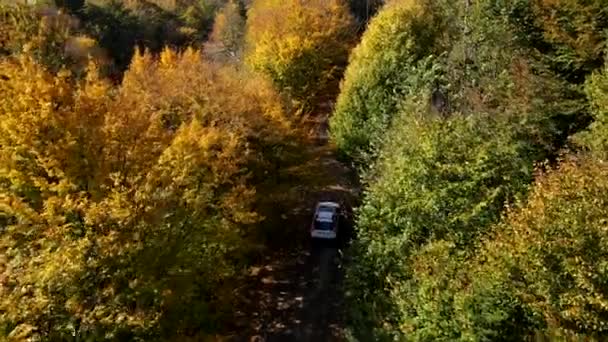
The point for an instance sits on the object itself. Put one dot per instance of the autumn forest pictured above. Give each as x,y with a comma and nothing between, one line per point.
154,152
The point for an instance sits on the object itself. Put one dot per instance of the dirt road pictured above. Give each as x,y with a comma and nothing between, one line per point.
298,298
295,293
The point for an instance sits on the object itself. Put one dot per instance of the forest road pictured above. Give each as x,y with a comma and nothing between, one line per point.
295,293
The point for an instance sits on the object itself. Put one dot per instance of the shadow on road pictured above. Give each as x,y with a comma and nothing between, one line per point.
295,292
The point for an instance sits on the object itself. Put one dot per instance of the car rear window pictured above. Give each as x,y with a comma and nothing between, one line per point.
323,225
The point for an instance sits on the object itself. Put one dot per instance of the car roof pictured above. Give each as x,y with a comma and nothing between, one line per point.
324,216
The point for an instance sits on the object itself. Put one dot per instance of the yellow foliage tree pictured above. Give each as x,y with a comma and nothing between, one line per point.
228,28
124,211
301,45
48,35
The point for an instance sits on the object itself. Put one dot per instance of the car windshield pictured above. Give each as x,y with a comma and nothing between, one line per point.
323,209
323,225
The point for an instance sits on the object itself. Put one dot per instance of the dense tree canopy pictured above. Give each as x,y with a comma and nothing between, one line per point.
570,34
139,177
124,212
445,137
301,45
228,30
383,69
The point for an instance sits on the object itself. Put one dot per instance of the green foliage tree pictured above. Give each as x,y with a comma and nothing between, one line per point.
198,16
460,140
539,275
595,139
301,46
116,29
120,28
552,247
436,180
568,34
384,69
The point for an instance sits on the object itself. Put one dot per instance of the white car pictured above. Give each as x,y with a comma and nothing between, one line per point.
325,221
